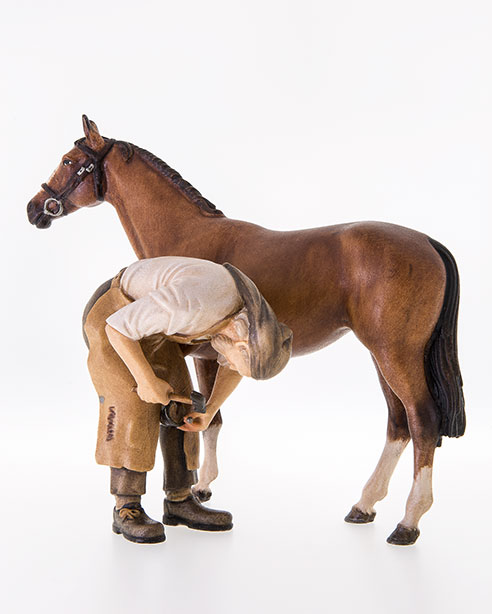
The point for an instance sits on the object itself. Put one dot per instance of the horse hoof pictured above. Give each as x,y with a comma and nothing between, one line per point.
403,536
357,516
202,495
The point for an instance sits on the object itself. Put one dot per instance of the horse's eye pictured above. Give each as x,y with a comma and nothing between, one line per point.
67,162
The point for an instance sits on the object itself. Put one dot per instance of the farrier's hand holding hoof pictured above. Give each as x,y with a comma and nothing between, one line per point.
196,421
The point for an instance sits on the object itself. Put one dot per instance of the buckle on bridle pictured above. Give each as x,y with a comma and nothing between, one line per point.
86,169
53,200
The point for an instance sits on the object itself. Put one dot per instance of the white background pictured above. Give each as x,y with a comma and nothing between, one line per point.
290,115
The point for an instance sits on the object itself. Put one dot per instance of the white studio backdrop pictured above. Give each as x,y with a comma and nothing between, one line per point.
289,115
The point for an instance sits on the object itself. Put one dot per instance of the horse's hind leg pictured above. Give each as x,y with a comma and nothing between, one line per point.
407,379
206,371
397,437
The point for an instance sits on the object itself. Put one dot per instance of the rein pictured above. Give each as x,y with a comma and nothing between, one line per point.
92,164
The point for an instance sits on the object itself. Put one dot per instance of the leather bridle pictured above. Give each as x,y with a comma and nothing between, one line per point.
91,165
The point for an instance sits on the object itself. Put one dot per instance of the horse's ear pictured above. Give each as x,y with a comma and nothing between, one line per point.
94,139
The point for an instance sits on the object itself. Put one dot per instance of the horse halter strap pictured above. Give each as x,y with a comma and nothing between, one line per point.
93,164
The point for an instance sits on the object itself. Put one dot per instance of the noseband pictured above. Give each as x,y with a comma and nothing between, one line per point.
91,165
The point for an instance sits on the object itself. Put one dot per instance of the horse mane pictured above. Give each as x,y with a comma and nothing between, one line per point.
183,186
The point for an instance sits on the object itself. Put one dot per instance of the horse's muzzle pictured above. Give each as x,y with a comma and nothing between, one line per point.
37,217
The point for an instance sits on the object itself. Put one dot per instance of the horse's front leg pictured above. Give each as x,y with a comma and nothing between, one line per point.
209,469
206,371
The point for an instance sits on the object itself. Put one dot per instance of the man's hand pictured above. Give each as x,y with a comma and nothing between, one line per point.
225,382
156,390
197,422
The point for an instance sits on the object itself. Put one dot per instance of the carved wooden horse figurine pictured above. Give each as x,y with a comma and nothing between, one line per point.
395,288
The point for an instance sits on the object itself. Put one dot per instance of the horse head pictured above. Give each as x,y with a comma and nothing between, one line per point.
70,188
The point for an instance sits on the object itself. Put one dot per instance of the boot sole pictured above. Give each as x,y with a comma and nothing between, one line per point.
174,521
139,540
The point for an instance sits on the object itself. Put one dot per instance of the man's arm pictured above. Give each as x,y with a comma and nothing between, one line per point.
150,388
225,383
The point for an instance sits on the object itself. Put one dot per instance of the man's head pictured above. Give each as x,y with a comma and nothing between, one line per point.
254,343
232,344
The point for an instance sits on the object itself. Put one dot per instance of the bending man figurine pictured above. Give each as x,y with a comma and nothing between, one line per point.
135,326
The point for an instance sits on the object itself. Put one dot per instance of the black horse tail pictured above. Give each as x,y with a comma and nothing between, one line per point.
441,354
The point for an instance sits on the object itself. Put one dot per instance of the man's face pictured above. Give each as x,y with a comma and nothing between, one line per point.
233,354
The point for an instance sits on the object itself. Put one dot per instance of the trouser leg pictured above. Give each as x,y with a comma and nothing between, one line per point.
180,455
179,449
127,486
178,479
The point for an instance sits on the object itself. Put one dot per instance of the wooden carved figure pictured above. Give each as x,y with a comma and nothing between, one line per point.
135,326
395,288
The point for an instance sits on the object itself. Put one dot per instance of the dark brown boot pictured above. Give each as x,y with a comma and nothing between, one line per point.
194,515
132,522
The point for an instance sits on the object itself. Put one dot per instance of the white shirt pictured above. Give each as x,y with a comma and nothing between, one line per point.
174,295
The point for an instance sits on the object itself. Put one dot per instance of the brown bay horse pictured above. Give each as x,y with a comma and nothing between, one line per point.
395,288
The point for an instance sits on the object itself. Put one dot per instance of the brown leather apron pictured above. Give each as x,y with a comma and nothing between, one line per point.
128,427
